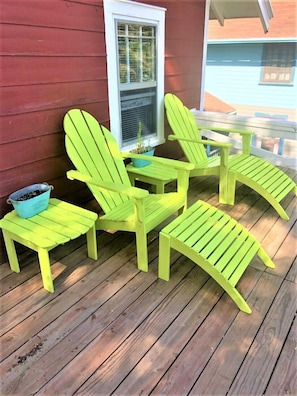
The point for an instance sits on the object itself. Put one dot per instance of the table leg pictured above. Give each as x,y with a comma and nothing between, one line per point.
11,253
45,268
159,187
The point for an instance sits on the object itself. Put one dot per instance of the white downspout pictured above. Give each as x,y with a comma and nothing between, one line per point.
204,55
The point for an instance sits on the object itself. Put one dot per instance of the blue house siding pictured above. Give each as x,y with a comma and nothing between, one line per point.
233,73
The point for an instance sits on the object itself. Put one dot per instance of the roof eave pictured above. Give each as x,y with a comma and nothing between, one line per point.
225,9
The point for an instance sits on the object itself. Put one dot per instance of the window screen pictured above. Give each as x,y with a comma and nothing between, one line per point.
137,76
278,62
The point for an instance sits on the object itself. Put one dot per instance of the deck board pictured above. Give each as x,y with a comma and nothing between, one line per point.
111,329
230,353
254,373
284,377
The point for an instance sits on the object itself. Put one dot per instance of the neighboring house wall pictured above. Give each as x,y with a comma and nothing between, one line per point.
233,73
53,58
234,62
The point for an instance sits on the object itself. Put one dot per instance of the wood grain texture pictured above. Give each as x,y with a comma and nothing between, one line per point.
110,327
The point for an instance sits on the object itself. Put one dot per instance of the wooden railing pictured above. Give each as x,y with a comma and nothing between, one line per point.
274,140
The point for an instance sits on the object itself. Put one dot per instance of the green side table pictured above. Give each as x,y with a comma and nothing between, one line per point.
154,174
60,223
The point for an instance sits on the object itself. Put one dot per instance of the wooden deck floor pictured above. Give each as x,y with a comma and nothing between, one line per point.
110,329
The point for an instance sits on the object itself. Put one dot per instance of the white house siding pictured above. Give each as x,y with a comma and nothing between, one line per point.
233,73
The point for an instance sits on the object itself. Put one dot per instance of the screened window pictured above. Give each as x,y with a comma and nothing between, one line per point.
135,49
137,77
278,63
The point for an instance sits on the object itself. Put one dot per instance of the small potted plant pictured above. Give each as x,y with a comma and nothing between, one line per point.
141,148
31,200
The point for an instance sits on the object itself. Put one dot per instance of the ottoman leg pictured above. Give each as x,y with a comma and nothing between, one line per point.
11,253
45,268
92,243
164,256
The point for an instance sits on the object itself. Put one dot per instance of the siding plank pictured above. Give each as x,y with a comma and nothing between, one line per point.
51,96
37,149
28,70
34,124
43,41
78,15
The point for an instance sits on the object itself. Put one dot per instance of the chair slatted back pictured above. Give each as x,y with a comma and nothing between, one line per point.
94,151
183,125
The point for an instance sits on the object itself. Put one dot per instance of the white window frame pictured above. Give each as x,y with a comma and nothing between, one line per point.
134,12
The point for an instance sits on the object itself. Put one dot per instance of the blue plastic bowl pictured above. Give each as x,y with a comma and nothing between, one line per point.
27,207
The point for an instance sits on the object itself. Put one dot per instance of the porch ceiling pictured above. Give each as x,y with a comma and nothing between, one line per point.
230,9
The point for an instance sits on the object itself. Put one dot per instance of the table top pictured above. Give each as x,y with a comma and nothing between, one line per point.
58,224
154,171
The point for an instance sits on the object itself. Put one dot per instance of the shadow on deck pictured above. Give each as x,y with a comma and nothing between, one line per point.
110,329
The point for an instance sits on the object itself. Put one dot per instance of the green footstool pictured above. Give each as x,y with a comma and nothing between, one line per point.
214,241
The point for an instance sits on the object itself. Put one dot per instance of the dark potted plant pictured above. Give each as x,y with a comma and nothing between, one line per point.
141,148
30,200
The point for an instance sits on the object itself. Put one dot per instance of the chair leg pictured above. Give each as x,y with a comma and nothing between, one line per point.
280,210
92,243
234,294
231,188
164,257
223,189
227,186
141,248
265,258
224,282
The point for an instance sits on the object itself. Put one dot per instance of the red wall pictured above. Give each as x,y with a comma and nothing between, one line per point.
184,36
53,58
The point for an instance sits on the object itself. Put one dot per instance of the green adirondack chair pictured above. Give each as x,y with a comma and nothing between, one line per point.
263,177
99,163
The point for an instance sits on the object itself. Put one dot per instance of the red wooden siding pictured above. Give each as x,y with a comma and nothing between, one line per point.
184,46
53,58
184,36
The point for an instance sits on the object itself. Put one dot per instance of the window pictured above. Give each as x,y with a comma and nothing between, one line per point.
278,63
135,64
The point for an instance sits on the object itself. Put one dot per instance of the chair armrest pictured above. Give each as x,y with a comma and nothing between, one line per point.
226,130
245,135
202,141
133,192
225,147
170,163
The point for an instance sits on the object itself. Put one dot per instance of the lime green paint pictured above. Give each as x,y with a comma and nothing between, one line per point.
214,241
263,177
99,163
58,224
